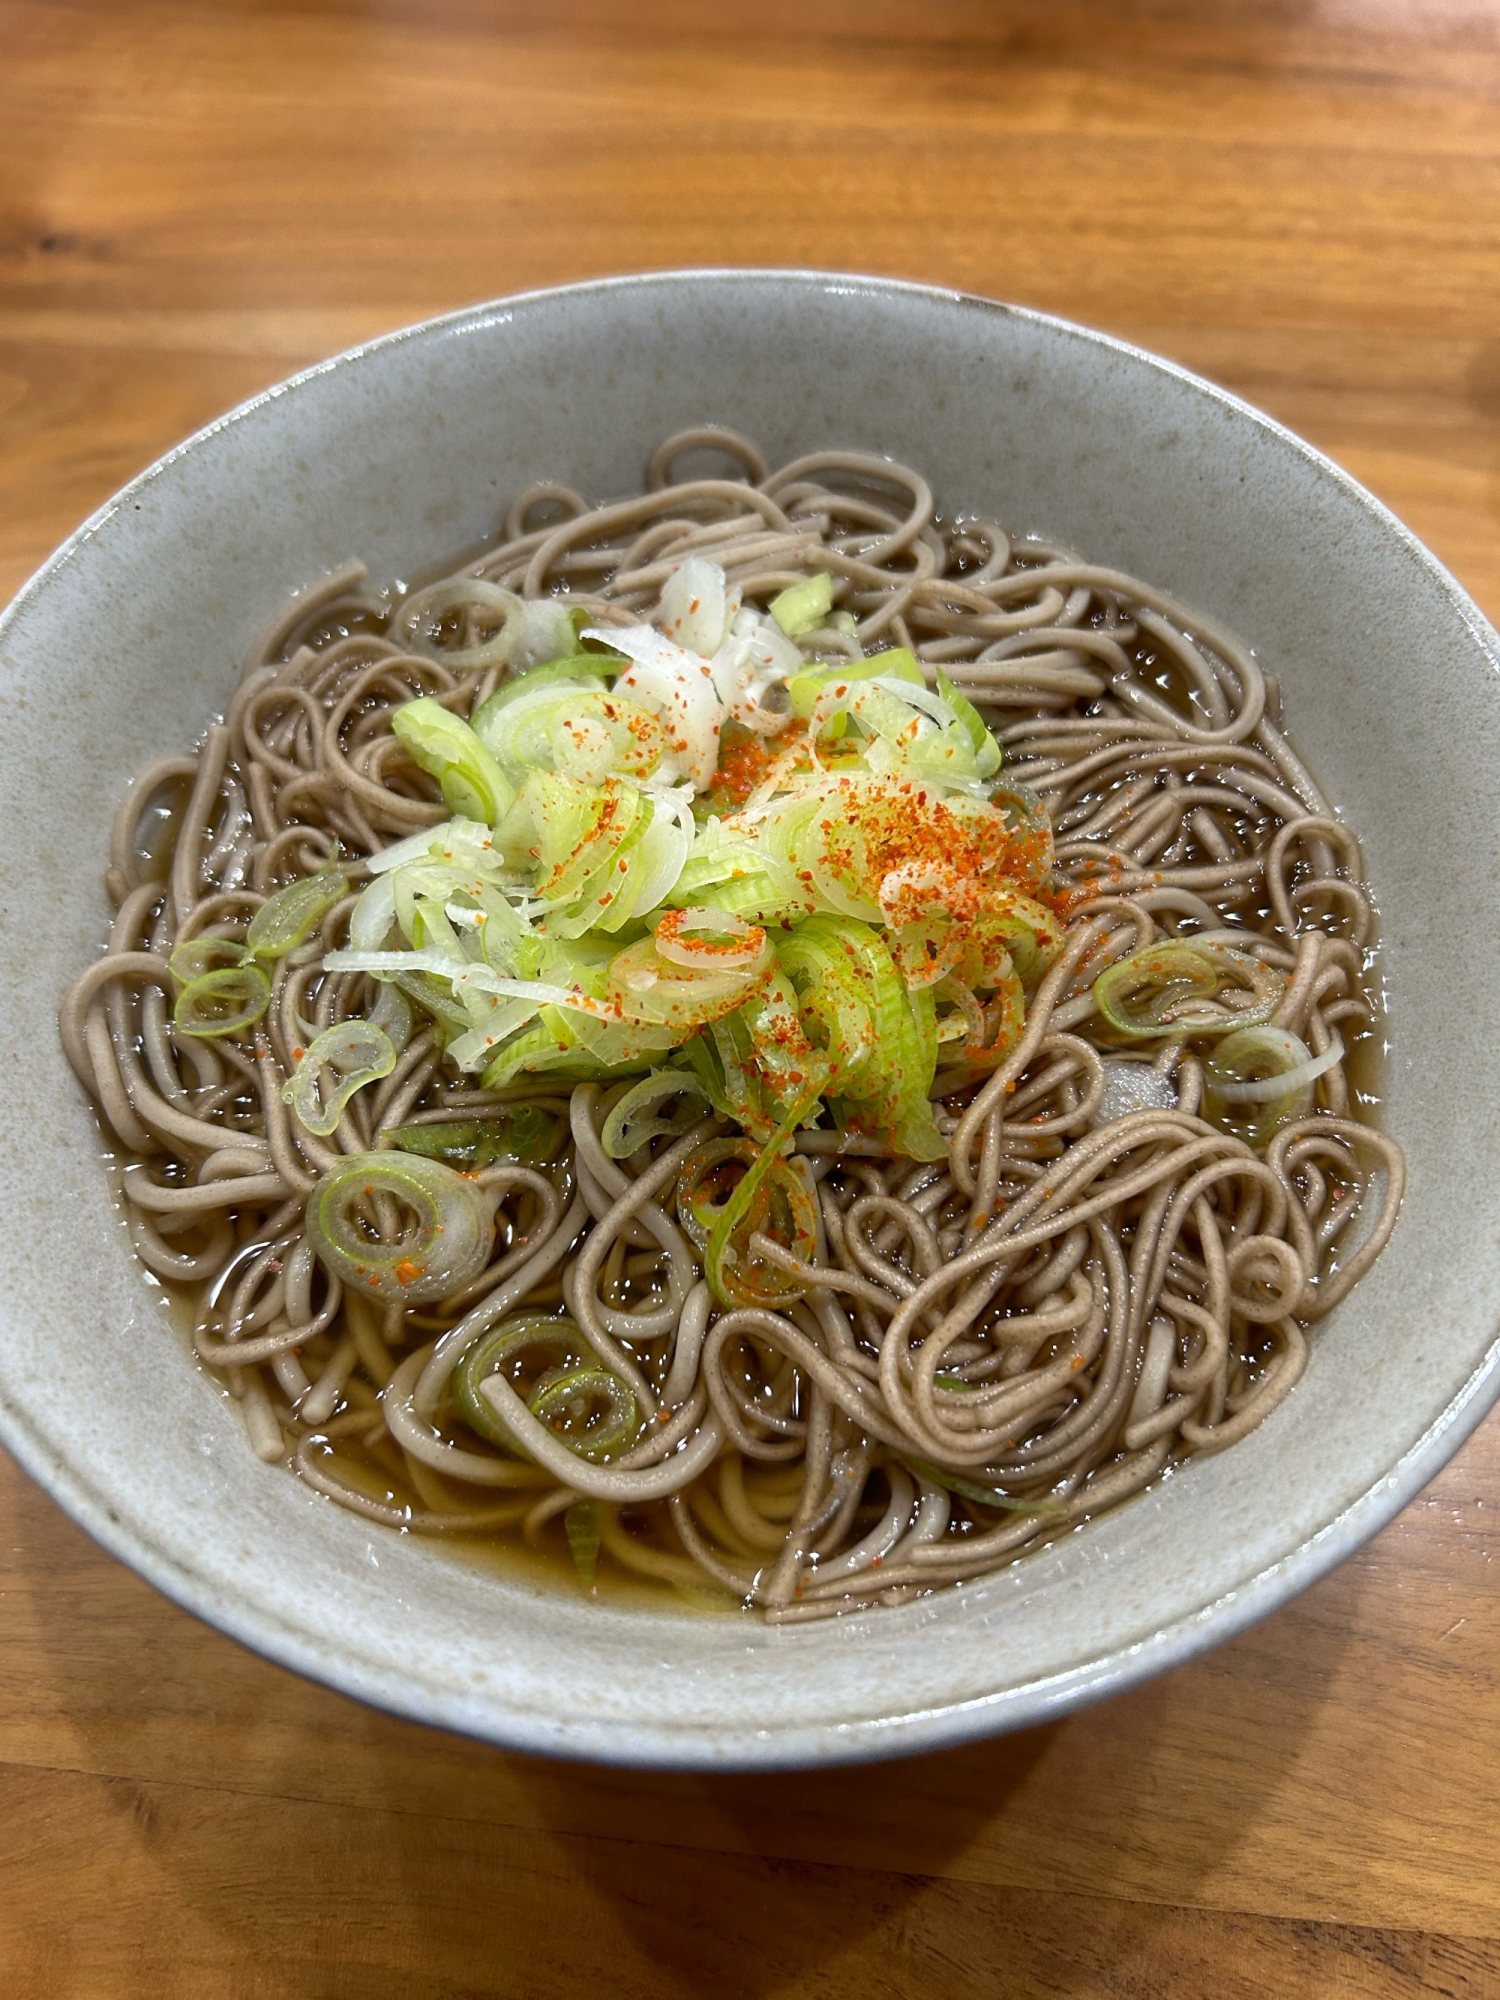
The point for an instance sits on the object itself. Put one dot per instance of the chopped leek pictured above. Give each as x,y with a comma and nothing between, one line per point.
772,1200
1266,1074
521,1132
628,1126
222,1002
1178,988
448,1226
587,1409
341,1061
805,689
805,606
591,1411
448,749
583,1524
586,913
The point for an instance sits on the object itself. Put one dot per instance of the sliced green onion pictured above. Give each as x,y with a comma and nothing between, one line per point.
587,1409
566,1398
644,986
582,671
628,1128
707,940
1267,1071
570,830
804,606
504,1346
520,1132
772,1200
197,956
1171,989
699,1184
352,1052
392,1015
447,1229
805,690
290,917
987,753
583,1524
223,1002
879,1040
586,731
448,749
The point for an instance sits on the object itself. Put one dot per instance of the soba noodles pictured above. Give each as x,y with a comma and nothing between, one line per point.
868,1164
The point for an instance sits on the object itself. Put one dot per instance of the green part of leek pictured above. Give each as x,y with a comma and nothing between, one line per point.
986,1496
1169,989
580,1048
290,917
355,1053
572,830
805,606
540,1333
775,1201
583,1524
582,729
448,749
521,1132
581,671
587,1409
629,1126
755,1062
988,756
698,1208
725,873
435,996
447,1227
200,955
899,663
222,1002
879,1041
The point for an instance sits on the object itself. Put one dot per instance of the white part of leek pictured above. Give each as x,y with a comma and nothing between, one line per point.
679,686
697,606
1271,1089
373,914
544,633
664,850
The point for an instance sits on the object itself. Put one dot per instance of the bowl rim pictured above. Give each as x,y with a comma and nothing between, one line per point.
651,1745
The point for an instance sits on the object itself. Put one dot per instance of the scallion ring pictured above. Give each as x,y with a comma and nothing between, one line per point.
1267,1072
356,1224
627,1128
222,1002
589,1410
1179,988
707,940
341,1061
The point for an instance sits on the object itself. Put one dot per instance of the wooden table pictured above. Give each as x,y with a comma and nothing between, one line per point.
196,199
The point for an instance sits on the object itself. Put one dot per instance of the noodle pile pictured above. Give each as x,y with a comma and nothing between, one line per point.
1098,1282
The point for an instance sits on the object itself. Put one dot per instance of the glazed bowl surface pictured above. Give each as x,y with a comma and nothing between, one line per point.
124,647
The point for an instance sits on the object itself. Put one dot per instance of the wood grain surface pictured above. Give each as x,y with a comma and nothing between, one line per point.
1302,201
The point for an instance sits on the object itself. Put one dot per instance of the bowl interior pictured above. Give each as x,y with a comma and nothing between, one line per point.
126,645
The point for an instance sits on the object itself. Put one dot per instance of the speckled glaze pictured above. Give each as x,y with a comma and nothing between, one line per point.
125,645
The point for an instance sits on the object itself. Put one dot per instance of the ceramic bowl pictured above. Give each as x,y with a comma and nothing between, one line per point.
124,646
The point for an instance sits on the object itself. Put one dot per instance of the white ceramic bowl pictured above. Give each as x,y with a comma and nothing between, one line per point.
401,452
